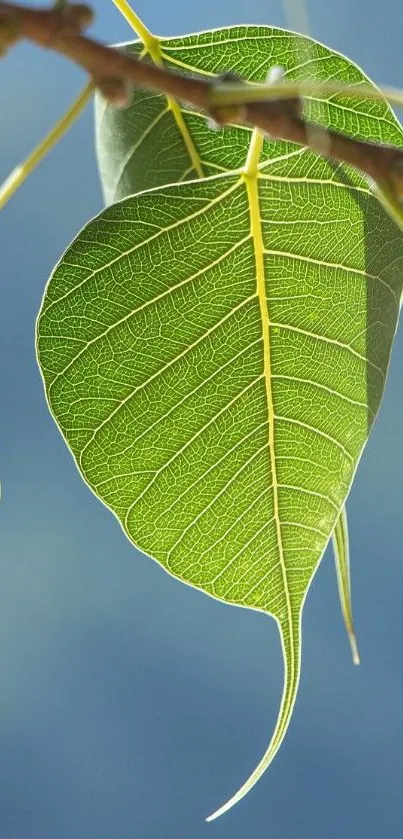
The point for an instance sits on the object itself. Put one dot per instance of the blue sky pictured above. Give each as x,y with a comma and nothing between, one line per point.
131,705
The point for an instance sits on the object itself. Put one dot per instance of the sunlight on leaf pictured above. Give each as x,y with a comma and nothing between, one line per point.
215,351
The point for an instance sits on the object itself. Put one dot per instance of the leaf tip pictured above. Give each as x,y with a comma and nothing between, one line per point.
219,812
292,665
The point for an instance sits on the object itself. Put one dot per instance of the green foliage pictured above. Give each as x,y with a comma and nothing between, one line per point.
215,350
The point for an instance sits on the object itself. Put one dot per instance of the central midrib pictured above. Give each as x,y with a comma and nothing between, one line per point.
250,177
291,664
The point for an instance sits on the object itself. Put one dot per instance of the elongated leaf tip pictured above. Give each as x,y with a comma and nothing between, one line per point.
354,648
220,812
291,648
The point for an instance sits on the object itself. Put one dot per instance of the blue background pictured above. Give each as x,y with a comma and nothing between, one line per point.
132,705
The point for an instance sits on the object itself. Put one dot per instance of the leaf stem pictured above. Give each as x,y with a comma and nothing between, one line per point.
137,25
152,47
254,152
21,172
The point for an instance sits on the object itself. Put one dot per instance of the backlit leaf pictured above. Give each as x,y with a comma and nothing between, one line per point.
215,353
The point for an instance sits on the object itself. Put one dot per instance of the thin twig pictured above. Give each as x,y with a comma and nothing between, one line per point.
21,172
278,115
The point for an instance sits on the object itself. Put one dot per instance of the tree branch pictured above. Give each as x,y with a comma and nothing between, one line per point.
60,29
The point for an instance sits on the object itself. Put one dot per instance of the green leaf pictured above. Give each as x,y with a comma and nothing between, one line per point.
342,561
152,143
215,352
121,137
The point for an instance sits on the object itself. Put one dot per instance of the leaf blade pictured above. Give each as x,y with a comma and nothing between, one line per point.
161,390
195,494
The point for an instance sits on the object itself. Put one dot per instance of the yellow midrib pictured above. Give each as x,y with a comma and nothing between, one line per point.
250,176
152,48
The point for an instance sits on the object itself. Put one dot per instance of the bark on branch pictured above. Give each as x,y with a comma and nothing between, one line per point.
114,72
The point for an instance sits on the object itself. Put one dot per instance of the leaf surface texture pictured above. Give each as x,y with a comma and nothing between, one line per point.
215,351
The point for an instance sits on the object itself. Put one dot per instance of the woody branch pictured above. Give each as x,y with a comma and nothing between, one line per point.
113,72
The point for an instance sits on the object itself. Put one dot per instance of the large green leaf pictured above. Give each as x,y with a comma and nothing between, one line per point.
215,352
158,128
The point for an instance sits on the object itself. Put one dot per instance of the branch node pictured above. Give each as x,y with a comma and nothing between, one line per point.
10,31
219,116
71,19
79,15
396,177
116,91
